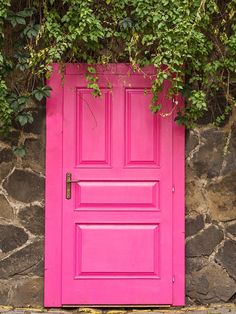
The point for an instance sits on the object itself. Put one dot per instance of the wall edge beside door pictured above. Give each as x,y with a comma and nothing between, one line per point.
53,192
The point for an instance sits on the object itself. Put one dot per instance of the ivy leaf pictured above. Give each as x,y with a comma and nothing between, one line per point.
125,23
155,108
19,151
31,31
24,118
91,70
42,91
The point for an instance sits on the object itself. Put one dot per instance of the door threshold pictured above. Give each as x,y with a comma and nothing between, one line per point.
120,306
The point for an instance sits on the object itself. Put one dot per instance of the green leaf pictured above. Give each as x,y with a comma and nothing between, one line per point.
19,151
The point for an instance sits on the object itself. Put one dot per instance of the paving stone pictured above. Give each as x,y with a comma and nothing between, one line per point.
204,242
11,237
25,186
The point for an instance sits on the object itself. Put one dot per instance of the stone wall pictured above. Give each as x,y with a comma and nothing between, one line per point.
210,215
22,216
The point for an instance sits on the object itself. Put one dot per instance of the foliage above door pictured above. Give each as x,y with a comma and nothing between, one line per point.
194,39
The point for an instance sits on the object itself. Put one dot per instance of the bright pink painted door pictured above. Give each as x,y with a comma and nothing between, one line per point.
117,226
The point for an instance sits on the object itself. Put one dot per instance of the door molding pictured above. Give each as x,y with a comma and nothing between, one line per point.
54,187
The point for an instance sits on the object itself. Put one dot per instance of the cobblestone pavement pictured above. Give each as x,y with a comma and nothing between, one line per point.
212,309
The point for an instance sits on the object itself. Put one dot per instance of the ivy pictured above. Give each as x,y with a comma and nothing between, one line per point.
191,43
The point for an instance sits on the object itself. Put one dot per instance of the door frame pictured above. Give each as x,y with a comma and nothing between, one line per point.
55,181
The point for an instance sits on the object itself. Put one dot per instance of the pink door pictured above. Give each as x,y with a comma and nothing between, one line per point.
117,221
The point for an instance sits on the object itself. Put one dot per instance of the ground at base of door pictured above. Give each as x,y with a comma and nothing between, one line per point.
211,309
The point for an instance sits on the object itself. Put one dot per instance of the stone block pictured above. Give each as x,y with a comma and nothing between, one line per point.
11,237
32,218
220,197
192,141
232,229
27,292
6,155
35,155
204,243
27,261
25,186
210,284
226,256
230,159
4,292
209,158
195,264
6,210
193,225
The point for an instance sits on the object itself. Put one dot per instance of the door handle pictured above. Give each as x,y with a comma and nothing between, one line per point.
68,185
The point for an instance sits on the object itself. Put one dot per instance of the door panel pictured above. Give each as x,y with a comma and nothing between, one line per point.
117,226
142,148
105,194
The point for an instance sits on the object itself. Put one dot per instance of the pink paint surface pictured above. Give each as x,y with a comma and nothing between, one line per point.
119,240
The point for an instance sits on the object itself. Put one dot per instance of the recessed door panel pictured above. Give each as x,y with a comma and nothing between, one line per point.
117,194
142,129
93,125
116,250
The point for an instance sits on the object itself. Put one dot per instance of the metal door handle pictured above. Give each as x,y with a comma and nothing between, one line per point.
68,185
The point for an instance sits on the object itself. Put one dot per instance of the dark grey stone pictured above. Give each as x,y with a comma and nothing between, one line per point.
35,154
204,242
6,155
25,186
11,237
28,261
209,285
193,225
195,264
209,158
232,229
32,218
226,256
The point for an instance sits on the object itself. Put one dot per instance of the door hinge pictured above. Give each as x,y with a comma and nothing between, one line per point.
173,189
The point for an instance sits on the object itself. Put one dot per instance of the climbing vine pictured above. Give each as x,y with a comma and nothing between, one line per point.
192,43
